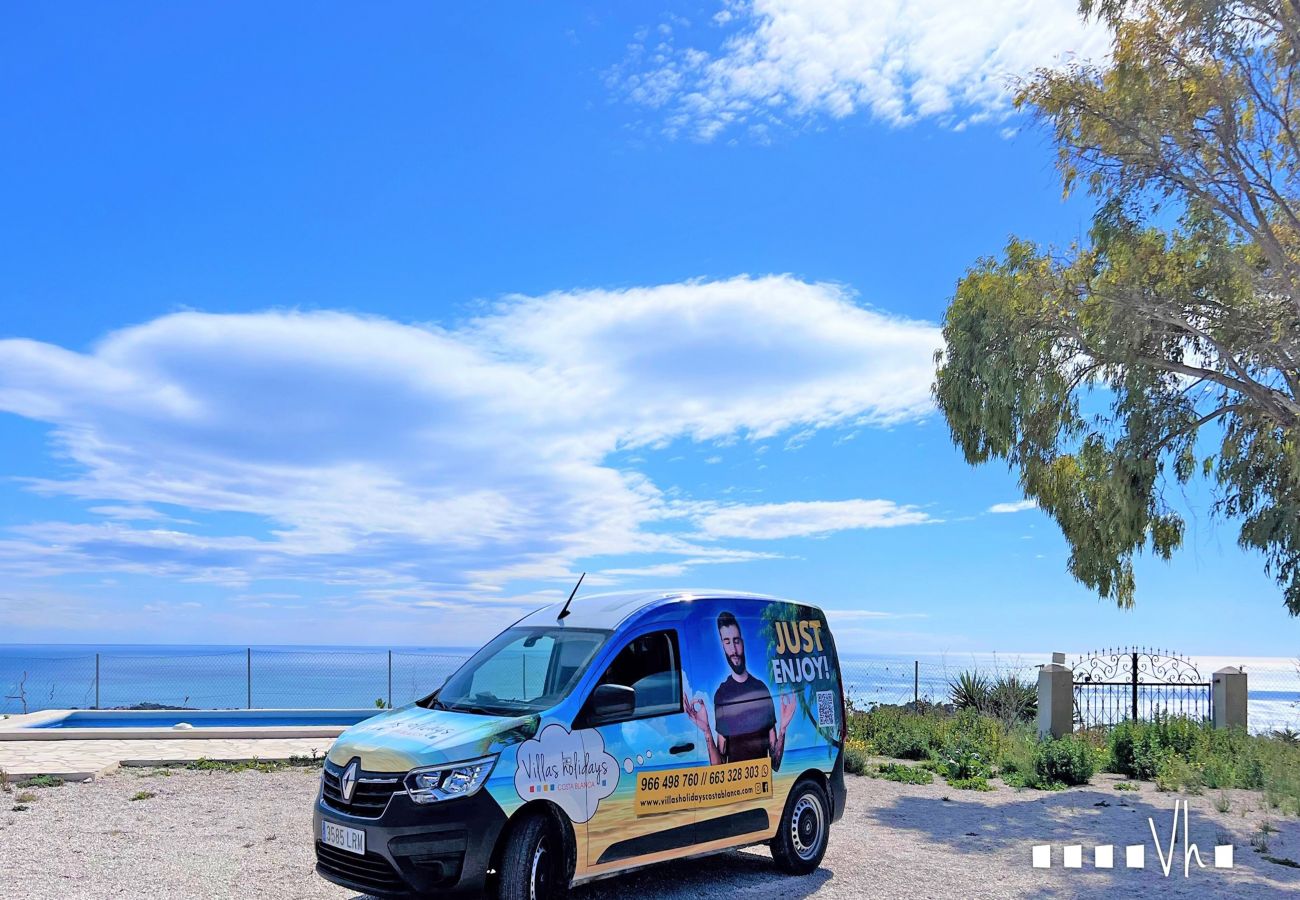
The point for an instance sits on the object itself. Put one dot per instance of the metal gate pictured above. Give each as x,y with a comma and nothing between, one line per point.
1137,683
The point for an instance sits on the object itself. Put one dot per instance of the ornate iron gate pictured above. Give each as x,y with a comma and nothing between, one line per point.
1137,683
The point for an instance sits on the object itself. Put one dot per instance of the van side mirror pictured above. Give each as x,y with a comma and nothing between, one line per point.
610,702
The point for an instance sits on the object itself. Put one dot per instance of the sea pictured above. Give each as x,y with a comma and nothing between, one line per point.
82,676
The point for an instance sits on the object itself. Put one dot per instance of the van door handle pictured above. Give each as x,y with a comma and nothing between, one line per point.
682,748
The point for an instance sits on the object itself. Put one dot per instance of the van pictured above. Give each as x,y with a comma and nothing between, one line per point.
613,732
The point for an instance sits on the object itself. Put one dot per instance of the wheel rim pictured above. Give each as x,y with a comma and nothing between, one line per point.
539,880
807,823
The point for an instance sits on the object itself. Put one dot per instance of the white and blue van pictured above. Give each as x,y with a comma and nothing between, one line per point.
594,737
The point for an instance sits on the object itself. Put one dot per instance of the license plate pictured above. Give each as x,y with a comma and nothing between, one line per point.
352,840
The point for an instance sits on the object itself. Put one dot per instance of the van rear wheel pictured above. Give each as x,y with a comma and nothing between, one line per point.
800,842
533,862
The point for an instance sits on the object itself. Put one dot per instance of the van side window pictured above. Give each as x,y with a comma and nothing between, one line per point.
652,667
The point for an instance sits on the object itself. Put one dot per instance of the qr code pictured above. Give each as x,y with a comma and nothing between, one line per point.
826,708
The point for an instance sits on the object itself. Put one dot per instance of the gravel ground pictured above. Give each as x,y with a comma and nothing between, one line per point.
246,835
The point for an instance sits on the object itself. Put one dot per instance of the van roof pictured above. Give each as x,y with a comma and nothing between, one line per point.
609,610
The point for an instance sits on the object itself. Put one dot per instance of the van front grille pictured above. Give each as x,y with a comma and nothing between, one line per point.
372,872
370,796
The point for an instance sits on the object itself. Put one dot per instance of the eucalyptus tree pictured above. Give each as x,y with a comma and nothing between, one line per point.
1165,346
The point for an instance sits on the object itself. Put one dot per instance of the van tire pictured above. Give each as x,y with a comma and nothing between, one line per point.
533,863
800,841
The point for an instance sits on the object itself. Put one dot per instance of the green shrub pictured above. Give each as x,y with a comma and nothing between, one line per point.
1177,753
964,757
855,759
905,774
1066,760
898,733
974,783
1016,757
1137,749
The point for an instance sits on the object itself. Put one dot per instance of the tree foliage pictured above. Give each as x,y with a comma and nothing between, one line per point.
1165,346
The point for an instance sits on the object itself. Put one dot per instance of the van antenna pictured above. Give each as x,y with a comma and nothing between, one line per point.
564,612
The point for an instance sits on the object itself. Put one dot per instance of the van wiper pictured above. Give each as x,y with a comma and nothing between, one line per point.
467,708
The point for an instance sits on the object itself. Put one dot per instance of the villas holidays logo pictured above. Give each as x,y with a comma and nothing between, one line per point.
1103,856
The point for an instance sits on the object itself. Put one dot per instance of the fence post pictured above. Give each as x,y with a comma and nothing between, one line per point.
1055,698
390,679
916,683
1228,698
96,681
250,677
1135,685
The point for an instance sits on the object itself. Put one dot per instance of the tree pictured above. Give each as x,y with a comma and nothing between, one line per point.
1165,346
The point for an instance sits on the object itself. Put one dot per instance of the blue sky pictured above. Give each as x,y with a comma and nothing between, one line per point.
321,327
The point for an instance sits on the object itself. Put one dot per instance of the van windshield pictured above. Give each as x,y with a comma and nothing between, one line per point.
520,671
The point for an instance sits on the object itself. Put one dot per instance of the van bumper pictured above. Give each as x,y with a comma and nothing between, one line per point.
839,790
443,848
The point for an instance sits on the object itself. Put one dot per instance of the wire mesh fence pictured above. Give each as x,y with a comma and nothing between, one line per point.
900,681
229,678
31,683
251,678
1274,697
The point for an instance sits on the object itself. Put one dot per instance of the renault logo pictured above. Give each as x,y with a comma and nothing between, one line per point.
348,781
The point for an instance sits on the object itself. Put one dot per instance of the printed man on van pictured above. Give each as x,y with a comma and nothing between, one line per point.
742,708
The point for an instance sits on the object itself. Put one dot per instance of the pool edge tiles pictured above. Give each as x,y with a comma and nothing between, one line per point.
44,726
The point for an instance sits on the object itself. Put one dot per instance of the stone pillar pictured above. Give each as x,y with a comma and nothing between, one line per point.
1228,697
1055,698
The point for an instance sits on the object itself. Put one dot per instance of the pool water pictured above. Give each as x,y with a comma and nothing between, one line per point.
209,718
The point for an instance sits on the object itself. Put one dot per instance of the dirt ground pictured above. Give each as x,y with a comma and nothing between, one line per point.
247,835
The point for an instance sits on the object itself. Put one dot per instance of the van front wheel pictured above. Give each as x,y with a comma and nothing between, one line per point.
533,862
800,842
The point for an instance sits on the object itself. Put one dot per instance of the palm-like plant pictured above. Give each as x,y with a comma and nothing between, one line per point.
1288,736
970,690
1012,700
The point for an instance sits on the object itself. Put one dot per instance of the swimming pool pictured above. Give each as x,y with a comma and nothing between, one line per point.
88,724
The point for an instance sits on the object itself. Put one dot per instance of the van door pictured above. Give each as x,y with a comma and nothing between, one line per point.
742,718
649,816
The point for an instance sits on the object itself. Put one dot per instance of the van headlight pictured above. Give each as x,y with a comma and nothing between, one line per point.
447,782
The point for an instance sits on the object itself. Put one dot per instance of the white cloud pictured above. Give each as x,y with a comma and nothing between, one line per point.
900,60
1017,506
769,521
428,462
129,513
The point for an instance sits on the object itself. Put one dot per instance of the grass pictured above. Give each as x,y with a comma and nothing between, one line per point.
1177,754
253,765
143,795
26,797
41,781
905,774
